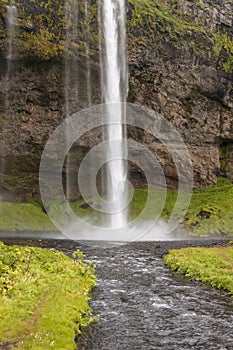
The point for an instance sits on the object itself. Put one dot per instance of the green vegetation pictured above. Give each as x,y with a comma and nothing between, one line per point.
43,297
30,217
23,217
211,210
224,43
158,11
209,213
150,24
224,156
209,265
154,23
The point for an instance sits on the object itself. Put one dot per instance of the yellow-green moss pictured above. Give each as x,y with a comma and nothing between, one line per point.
44,298
209,265
152,21
23,217
157,23
210,211
224,44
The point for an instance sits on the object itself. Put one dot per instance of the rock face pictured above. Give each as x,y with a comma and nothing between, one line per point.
191,89
180,65
213,14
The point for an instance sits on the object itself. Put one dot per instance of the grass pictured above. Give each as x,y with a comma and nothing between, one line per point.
210,212
23,217
30,217
43,297
213,266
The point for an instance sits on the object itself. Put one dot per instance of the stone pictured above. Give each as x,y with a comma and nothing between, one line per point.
189,88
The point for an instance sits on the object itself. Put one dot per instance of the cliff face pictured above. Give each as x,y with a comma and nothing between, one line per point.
185,73
180,64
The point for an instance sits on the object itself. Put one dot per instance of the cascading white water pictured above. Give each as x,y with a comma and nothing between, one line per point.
113,86
71,79
114,92
12,24
71,56
88,70
100,49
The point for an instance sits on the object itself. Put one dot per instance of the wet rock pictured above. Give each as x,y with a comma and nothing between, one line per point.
189,88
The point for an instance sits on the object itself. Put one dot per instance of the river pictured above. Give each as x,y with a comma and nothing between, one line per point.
144,305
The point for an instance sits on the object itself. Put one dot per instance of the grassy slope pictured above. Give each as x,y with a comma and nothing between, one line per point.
23,217
210,211
43,297
30,217
209,265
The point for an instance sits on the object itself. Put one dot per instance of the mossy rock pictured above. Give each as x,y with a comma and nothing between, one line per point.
44,32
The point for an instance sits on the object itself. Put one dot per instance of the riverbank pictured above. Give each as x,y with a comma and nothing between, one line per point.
135,288
213,266
44,297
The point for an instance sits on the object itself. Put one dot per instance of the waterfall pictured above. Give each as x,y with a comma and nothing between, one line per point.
114,93
12,23
88,70
113,86
100,48
71,79
71,57
110,157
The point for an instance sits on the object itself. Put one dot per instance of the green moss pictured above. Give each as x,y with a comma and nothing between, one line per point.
3,121
42,45
223,48
23,217
43,297
188,103
22,186
209,265
158,23
158,11
151,21
200,4
209,213
47,18
225,151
